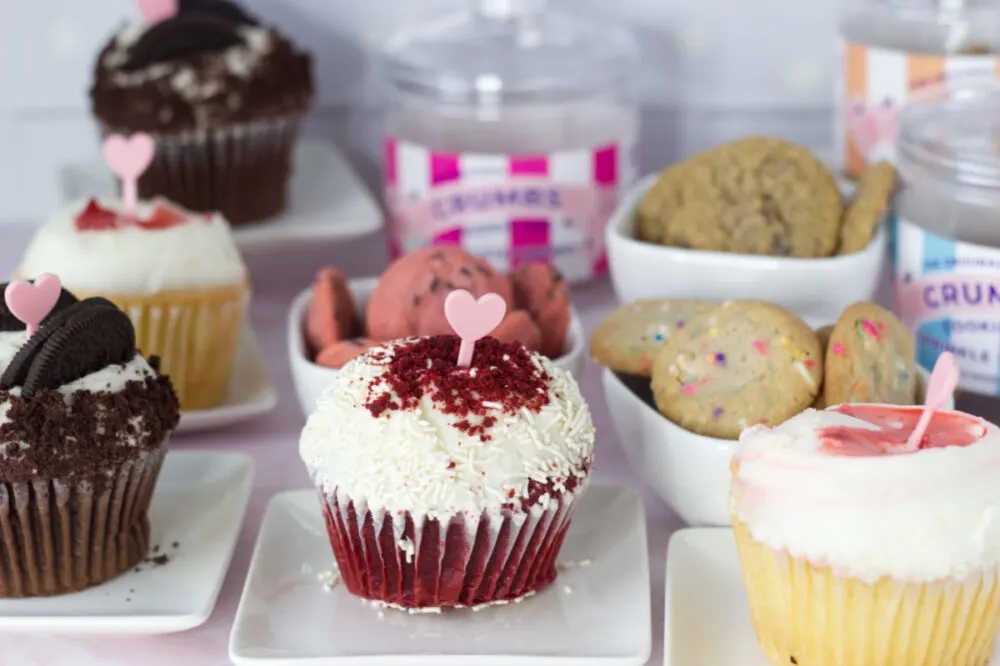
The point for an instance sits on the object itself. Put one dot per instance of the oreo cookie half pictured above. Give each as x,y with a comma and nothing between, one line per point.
180,36
223,9
82,339
9,323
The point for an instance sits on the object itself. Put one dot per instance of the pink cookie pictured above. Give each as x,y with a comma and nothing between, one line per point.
517,326
337,354
541,290
332,315
409,298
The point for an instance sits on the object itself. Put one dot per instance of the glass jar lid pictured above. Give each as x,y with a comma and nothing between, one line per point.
953,134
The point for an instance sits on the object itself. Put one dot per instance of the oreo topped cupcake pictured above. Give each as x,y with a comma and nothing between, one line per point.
222,94
84,422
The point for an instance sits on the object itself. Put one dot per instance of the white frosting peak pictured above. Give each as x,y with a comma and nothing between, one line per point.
416,460
198,254
923,516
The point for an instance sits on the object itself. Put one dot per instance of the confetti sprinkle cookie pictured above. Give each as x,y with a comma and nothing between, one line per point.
628,339
870,358
739,364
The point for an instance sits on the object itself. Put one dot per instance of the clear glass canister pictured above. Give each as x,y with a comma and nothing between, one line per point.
947,245
891,50
511,131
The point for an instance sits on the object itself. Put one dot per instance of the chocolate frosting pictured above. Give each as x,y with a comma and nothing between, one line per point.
210,66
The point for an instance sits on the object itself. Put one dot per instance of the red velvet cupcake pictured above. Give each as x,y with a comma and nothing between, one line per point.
446,486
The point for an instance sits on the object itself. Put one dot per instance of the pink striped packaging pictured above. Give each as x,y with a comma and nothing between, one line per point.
508,209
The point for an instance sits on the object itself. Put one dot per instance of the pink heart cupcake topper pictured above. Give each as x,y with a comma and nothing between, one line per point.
472,319
154,11
128,158
31,303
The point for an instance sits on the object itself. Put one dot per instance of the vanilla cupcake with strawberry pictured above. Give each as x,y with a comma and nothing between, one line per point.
177,274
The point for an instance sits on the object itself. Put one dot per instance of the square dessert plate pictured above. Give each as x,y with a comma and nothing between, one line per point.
327,200
195,519
596,613
251,392
707,620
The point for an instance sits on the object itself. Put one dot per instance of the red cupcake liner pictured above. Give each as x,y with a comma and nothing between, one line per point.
411,562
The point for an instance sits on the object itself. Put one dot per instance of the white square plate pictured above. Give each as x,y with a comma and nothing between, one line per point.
327,200
251,392
199,504
598,614
707,620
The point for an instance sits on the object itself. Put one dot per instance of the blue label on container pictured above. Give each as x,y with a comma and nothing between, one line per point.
948,293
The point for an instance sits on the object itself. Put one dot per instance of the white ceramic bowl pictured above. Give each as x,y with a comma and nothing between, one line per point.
310,379
817,290
689,471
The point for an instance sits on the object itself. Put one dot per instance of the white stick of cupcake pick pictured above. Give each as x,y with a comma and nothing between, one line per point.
128,158
32,302
942,384
472,319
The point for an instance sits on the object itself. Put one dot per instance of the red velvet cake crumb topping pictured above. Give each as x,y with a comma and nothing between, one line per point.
501,373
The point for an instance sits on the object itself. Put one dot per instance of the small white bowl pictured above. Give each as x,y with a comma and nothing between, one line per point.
817,290
689,471
310,379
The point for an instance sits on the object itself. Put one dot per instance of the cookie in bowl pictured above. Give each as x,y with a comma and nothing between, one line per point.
679,427
756,218
83,438
338,319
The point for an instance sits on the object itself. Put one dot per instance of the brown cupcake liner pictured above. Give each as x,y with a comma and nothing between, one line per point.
241,171
195,332
58,537
407,562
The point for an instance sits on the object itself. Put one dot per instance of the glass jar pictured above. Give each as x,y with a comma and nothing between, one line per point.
891,50
511,131
947,245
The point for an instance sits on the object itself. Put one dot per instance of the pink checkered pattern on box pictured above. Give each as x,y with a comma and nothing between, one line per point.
508,209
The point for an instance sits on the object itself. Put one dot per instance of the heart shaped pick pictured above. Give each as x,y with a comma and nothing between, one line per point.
31,303
155,11
128,158
943,381
472,319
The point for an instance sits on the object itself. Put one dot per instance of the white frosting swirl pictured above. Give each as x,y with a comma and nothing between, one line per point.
416,460
130,259
923,516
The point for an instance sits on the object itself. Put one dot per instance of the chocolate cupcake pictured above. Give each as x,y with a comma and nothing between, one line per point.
82,438
222,94
445,486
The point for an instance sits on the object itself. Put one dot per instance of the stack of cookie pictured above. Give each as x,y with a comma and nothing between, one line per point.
718,368
762,196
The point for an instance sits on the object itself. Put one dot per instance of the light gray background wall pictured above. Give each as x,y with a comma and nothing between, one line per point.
712,70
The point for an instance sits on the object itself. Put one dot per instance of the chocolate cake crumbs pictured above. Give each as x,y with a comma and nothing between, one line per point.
159,560
92,436
501,373
175,544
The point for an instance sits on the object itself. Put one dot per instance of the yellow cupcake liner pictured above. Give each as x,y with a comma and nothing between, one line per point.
195,332
806,615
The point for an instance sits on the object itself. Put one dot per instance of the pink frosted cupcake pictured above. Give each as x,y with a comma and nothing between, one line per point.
447,486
